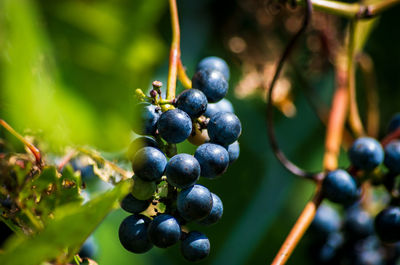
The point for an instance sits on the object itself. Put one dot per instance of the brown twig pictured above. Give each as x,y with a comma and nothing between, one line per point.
35,151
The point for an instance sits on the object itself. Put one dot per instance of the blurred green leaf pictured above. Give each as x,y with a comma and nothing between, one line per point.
104,54
71,226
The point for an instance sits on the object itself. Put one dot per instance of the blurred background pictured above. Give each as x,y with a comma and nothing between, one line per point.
69,70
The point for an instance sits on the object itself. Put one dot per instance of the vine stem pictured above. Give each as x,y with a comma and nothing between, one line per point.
35,151
337,118
390,137
185,80
291,167
367,69
354,116
352,10
174,55
66,159
298,230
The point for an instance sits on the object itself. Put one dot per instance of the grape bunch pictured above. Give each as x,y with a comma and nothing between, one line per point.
165,196
368,233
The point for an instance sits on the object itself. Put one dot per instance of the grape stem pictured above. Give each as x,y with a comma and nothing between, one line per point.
174,55
176,68
337,117
35,151
66,159
354,116
321,111
367,69
300,227
291,167
183,78
352,10
390,137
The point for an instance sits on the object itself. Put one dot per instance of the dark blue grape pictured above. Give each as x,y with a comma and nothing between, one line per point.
146,118
366,153
88,249
330,249
133,233
195,246
224,128
182,171
194,203
212,83
214,63
193,102
164,231
387,224
6,203
213,159
392,156
338,186
133,205
223,105
233,151
174,126
373,257
394,123
216,211
149,164
138,144
326,221
87,170
358,223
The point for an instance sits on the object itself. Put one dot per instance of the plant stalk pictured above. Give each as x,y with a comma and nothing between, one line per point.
299,228
337,118
354,116
174,55
35,151
351,10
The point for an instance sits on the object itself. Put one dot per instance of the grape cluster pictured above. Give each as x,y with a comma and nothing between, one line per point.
364,235
165,196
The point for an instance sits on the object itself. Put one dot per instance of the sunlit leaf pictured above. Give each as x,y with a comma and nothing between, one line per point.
71,226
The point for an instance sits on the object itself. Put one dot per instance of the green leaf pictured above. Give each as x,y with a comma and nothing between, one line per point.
70,227
70,187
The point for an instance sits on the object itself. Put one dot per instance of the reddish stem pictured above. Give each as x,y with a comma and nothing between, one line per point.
354,116
337,118
35,151
367,69
185,80
298,230
174,55
388,138
66,159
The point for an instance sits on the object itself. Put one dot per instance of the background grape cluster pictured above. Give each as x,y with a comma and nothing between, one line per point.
362,234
